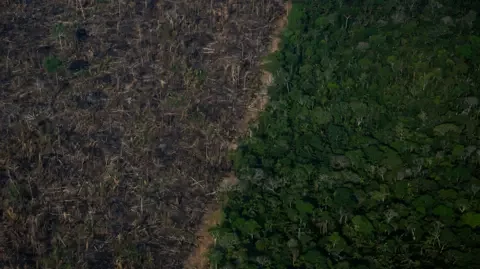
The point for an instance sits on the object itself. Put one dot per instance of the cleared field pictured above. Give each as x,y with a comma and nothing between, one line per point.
115,123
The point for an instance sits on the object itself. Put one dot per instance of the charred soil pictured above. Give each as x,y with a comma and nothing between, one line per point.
115,122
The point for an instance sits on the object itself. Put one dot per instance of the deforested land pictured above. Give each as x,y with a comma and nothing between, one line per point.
116,119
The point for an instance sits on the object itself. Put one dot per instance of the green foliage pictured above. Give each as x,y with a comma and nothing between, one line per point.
443,129
368,153
52,64
59,30
471,219
362,225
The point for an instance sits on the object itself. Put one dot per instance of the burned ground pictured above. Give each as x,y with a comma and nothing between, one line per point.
115,123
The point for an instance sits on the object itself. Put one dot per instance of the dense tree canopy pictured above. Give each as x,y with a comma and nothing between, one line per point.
368,155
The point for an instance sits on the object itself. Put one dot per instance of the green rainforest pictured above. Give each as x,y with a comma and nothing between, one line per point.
368,155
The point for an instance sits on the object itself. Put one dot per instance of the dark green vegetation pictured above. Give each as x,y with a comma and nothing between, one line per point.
115,120
368,155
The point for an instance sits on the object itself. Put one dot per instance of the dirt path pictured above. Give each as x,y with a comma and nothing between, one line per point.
198,259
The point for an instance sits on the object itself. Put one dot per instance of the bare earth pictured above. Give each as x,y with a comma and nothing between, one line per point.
116,118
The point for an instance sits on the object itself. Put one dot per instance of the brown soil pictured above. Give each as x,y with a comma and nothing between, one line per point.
113,166
199,259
